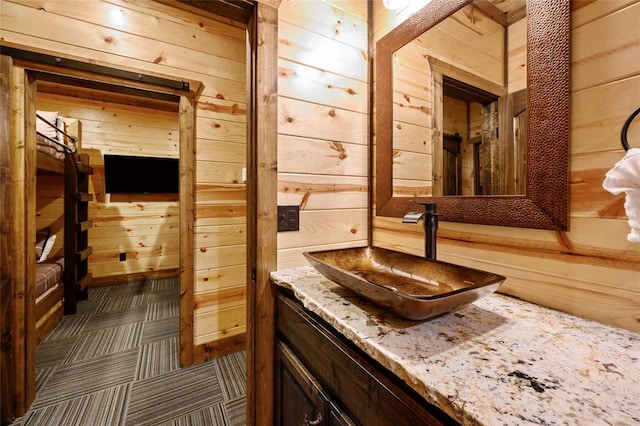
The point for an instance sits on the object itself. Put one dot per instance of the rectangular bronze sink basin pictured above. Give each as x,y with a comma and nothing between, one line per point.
409,286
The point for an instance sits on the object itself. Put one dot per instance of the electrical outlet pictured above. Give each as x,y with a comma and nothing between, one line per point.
288,218
123,257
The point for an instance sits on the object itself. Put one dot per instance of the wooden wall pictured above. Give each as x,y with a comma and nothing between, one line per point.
143,227
591,270
156,37
323,124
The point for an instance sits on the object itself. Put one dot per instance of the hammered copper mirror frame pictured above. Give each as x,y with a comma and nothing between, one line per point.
546,203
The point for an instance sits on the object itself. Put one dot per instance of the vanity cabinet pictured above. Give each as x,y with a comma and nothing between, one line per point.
323,379
301,399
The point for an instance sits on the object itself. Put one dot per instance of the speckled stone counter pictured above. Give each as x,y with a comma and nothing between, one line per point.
497,361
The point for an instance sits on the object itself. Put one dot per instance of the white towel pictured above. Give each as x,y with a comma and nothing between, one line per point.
625,177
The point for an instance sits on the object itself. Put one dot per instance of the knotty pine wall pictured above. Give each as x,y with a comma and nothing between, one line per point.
156,37
143,227
591,270
323,124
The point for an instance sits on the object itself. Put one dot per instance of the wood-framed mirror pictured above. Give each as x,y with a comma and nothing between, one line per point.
545,204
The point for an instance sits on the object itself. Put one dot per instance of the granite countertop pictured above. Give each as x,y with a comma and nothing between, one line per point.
499,360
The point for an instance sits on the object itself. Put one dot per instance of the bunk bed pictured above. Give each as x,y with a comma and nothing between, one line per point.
62,280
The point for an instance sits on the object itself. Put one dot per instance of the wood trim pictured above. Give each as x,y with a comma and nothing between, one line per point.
132,278
49,322
30,158
222,347
18,344
261,213
441,67
19,247
8,271
47,302
187,131
237,10
72,65
121,85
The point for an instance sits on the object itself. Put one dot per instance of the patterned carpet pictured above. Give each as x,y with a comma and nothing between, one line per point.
116,363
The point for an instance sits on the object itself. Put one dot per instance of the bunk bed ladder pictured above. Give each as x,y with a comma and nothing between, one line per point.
76,235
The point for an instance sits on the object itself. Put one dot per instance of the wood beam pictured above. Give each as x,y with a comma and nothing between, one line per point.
187,130
29,241
262,214
8,390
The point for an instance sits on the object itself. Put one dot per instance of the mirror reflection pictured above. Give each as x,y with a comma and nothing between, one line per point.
459,105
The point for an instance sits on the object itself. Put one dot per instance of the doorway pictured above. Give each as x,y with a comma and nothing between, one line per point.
23,74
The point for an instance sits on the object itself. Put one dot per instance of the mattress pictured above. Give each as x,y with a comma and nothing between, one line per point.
50,148
48,274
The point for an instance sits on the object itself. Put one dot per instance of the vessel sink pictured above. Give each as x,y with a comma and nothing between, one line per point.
410,286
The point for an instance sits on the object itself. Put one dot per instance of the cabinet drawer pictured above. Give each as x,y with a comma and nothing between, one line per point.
368,392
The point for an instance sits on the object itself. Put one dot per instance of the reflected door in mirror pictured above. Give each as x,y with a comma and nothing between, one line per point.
455,78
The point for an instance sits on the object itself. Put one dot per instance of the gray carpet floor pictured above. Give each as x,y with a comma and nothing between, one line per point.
116,362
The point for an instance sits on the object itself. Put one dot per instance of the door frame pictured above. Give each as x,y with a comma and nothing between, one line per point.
262,191
19,79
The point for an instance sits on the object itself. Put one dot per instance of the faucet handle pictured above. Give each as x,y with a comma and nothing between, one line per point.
429,206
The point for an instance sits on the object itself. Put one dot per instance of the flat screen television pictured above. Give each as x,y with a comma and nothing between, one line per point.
127,174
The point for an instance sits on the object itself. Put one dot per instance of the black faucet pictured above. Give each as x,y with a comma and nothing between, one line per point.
430,222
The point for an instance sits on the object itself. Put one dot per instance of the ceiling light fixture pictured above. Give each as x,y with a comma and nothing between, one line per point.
395,4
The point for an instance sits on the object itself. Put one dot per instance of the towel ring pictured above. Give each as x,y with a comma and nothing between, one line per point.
625,128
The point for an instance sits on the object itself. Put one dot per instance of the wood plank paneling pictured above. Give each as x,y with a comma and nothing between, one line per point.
300,42
212,301
317,192
290,257
226,322
597,60
517,54
115,41
317,86
326,157
329,20
318,227
216,257
218,278
595,125
301,118
323,124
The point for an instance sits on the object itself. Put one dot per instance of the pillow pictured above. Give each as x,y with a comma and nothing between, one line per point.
47,248
41,239
44,128
60,124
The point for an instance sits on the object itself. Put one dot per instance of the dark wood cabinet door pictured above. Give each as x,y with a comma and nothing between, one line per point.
337,417
354,383
300,401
